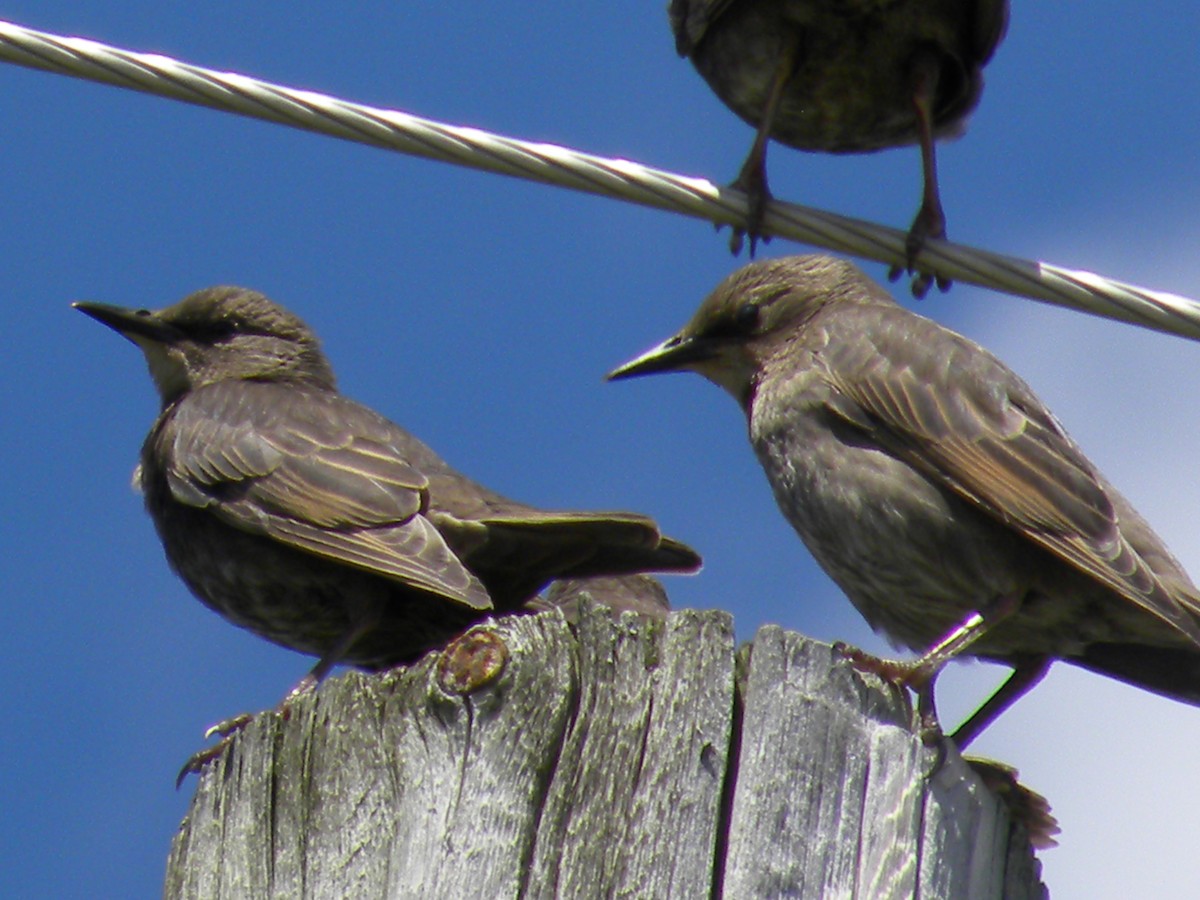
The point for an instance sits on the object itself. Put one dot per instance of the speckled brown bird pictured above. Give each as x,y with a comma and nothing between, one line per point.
640,594
844,76
936,489
318,524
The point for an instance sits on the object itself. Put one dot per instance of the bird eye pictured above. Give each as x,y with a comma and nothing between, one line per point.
746,317
214,331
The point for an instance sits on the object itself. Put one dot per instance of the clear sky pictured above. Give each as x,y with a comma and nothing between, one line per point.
481,313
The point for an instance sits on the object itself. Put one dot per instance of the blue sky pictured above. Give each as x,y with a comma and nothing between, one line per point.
481,313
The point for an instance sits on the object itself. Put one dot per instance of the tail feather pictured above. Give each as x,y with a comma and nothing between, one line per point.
522,552
1172,672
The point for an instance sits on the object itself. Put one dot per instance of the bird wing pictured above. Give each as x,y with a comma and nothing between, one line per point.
952,410
317,472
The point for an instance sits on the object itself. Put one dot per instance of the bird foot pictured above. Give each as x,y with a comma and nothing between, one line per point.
752,181
911,674
227,729
929,223
229,726
917,675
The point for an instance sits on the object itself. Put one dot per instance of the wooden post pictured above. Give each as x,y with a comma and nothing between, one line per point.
618,758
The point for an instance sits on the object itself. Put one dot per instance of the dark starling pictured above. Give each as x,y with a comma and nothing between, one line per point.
844,76
641,594
316,523
936,489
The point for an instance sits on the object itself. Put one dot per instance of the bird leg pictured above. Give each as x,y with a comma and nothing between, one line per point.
228,728
930,221
1024,678
919,675
752,179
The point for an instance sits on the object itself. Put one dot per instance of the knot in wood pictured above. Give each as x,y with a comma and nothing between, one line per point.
472,661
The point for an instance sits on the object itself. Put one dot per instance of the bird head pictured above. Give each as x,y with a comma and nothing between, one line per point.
750,316
218,334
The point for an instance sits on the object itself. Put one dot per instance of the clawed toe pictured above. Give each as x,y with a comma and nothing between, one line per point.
917,675
227,729
229,726
197,761
752,181
895,671
929,223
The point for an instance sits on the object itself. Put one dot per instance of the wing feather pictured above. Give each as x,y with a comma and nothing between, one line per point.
969,423
317,472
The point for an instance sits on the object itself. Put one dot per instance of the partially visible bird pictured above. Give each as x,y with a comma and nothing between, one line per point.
1025,806
318,524
844,76
932,485
641,594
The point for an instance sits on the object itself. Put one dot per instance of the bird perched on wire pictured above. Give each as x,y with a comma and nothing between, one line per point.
844,76
318,524
938,492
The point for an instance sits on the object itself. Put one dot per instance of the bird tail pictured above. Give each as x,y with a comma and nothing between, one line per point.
589,544
517,554
1172,672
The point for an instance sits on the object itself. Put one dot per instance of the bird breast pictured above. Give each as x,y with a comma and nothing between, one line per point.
912,557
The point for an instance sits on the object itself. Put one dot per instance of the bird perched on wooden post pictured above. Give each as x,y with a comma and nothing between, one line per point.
643,595
318,524
844,76
932,485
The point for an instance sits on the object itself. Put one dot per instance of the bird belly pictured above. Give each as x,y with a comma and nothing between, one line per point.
851,91
296,599
914,559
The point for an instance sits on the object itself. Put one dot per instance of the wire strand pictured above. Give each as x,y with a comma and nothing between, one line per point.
617,178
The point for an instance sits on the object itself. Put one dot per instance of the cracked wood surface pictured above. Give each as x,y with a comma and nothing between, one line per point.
621,758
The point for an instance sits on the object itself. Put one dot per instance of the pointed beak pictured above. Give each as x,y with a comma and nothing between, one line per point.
131,323
675,354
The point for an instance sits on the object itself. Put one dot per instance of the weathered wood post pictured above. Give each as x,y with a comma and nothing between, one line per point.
619,758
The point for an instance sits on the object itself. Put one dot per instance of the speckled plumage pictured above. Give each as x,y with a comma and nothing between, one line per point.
849,92
318,524
928,480
852,76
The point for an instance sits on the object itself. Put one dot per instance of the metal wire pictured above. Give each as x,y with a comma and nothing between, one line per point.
617,178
